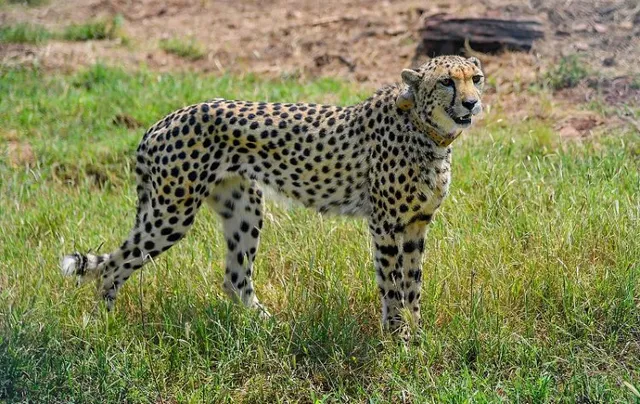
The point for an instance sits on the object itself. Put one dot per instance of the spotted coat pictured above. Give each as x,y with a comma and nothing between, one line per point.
387,159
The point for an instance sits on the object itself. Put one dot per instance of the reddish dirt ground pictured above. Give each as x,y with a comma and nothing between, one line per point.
362,41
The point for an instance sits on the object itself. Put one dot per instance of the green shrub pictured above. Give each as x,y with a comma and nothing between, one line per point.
29,3
568,73
189,49
94,30
24,33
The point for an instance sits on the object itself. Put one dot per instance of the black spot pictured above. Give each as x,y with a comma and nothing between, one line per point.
231,245
188,221
166,231
412,296
390,250
409,247
421,217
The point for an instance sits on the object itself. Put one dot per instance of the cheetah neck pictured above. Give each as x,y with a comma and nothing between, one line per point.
424,127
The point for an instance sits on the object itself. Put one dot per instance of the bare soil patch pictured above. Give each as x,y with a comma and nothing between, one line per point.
18,153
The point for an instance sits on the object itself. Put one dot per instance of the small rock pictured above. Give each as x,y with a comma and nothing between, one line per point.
580,27
395,31
626,25
581,46
361,77
600,28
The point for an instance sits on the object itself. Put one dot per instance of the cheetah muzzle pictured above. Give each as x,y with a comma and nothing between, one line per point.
387,159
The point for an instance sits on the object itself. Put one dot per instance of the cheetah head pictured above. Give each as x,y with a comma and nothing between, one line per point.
444,93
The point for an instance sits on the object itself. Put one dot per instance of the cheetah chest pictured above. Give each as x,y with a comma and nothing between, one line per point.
434,179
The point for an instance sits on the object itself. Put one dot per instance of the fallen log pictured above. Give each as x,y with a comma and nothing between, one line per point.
444,34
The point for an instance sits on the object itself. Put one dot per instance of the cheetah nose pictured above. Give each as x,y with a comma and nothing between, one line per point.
469,104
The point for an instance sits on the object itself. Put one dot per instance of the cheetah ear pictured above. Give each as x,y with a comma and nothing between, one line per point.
406,99
475,61
411,77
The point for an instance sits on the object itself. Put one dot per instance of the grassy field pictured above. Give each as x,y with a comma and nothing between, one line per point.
532,279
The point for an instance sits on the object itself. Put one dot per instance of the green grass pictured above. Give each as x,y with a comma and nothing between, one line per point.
29,3
531,292
188,49
24,33
87,31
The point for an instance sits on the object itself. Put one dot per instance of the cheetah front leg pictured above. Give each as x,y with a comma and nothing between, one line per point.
388,263
412,252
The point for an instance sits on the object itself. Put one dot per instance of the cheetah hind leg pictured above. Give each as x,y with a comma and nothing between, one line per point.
112,270
154,232
239,203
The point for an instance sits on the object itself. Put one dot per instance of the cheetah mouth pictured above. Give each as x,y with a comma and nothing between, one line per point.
462,120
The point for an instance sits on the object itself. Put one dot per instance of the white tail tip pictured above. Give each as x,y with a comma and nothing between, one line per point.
68,265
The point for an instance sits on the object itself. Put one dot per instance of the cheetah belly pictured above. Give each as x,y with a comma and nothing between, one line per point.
334,198
323,184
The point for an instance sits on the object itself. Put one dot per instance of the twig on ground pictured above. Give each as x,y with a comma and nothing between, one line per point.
323,21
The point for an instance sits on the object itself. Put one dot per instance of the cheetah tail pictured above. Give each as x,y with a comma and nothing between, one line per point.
84,266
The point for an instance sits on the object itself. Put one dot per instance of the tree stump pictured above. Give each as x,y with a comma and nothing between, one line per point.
444,34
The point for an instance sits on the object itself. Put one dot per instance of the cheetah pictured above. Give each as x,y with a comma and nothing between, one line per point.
387,159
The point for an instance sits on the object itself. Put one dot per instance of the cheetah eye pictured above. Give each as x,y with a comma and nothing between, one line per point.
477,78
446,82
